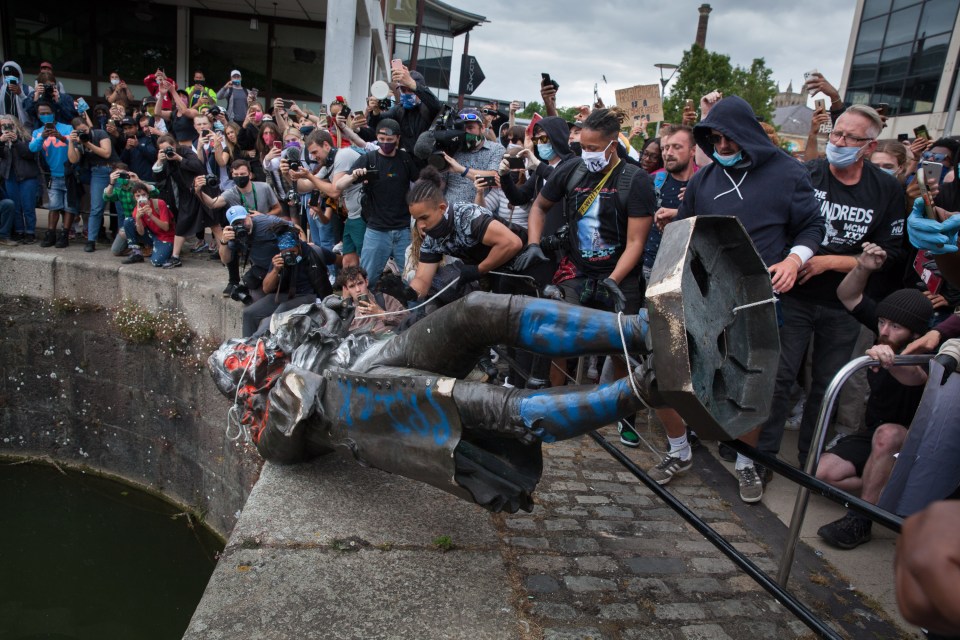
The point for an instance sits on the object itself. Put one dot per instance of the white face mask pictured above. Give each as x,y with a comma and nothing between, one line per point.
596,161
141,200
114,81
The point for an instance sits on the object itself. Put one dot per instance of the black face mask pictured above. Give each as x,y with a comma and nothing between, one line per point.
443,228
575,147
241,181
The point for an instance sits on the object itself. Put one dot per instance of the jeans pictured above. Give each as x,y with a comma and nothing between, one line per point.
325,235
834,333
379,246
161,250
99,179
24,196
7,209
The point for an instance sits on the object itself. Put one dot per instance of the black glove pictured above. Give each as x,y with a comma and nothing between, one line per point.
530,255
613,291
410,294
469,273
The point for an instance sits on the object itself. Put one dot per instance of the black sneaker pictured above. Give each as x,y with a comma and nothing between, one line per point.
228,290
727,453
28,239
763,473
90,247
49,239
172,263
846,533
628,435
693,439
63,239
134,258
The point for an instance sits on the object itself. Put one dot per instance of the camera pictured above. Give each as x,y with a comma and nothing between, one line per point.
211,181
214,111
289,258
240,293
445,135
123,175
84,136
291,196
295,165
240,235
169,152
384,104
557,241
48,90
372,175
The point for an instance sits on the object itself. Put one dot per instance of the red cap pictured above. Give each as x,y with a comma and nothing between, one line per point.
46,64
340,100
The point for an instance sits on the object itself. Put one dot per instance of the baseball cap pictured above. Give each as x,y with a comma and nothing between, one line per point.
235,73
128,122
389,127
46,65
236,212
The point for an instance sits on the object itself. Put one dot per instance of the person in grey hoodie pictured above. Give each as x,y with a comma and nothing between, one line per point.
13,97
236,97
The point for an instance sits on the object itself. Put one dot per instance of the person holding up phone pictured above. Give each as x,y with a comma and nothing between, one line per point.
51,140
236,97
416,110
355,285
13,97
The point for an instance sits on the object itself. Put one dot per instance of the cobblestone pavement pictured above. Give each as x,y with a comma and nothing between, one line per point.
602,557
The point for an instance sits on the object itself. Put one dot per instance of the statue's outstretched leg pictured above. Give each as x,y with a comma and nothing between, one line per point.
452,339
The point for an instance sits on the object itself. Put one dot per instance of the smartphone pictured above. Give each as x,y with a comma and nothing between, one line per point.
515,162
820,103
688,103
363,297
397,64
926,268
277,144
287,103
921,132
322,108
254,92
546,80
807,75
903,137
50,126
357,114
881,108
488,181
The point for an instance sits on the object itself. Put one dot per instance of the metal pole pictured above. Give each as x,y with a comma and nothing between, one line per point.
813,457
466,49
952,107
793,605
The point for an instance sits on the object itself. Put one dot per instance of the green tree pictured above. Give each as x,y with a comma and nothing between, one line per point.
703,71
567,113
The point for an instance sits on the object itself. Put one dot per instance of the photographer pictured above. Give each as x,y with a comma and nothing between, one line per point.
416,110
249,237
139,147
152,222
478,157
386,175
48,90
19,176
118,92
297,276
175,170
51,140
91,149
254,197
331,167
120,191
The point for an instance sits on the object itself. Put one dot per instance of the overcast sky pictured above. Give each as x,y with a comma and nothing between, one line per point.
577,42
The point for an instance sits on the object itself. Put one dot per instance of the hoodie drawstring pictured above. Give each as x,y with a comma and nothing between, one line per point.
736,185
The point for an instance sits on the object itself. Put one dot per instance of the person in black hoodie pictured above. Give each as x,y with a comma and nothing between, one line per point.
772,196
415,111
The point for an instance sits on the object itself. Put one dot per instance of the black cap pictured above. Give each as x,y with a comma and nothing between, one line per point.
907,307
389,127
128,122
10,71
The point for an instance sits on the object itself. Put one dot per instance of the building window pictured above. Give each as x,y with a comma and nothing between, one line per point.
59,32
434,58
220,45
135,43
900,52
298,61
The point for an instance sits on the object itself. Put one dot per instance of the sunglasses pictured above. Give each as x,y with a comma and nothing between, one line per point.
541,140
934,157
717,138
470,117
515,140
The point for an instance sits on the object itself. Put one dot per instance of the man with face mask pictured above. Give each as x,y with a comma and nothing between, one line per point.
386,174
236,97
859,203
93,151
199,89
415,111
51,139
13,98
480,157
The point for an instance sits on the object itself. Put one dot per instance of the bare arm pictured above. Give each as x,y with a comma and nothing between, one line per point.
850,290
421,281
536,218
504,245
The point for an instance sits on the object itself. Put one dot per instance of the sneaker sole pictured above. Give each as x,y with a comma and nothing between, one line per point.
836,544
751,500
627,443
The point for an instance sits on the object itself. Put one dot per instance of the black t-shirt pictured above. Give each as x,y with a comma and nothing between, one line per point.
668,196
869,211
465,240
91,159
598,238
300,272
386,208
890,400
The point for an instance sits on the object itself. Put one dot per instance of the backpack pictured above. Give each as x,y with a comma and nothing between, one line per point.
367,200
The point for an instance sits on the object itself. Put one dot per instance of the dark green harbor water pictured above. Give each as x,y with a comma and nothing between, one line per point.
84,557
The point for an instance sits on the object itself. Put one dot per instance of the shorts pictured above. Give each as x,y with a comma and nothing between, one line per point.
58,195
353,230
194,220
854,449
573,292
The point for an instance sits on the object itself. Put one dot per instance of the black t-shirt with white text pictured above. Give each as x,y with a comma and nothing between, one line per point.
599,237
869,211
387,194
668,197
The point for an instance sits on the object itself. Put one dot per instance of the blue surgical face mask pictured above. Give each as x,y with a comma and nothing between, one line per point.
888,171
408,100
46,119
728,161
842,157
236,82
546,151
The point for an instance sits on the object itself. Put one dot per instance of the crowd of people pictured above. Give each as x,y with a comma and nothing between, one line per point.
401,207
